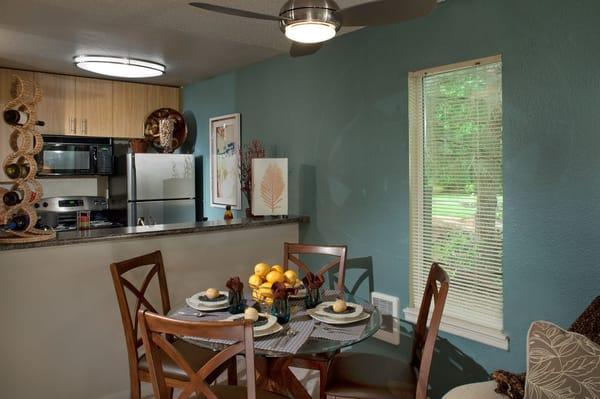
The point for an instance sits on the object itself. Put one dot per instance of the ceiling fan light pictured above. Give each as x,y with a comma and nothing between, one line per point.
310,32
121,67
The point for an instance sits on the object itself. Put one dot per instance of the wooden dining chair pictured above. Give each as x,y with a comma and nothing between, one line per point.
337,265
155,329
369,376
138,363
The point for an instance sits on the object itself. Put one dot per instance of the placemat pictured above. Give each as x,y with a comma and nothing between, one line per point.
348,332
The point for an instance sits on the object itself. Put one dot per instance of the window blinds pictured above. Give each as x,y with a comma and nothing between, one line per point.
456,187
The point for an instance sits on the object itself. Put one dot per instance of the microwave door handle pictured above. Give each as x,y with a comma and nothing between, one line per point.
94,163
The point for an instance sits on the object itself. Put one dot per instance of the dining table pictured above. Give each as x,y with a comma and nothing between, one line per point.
302,337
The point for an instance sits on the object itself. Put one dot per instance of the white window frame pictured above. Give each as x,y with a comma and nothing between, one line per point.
459,327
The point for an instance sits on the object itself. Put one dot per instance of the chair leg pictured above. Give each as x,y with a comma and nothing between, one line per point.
171,390
232,372
135,388
322,381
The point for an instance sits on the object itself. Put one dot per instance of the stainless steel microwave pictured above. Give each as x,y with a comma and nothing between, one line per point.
72,156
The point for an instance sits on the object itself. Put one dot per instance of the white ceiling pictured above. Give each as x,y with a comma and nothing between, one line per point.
44,35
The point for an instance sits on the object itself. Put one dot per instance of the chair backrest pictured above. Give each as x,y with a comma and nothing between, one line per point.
424,338
128,313
366,265
154,329
337,251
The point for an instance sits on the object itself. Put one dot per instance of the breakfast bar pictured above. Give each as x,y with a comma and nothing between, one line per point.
60,300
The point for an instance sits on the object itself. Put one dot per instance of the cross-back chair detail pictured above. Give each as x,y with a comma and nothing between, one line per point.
424,338
154,330
366,265
130,326
337,251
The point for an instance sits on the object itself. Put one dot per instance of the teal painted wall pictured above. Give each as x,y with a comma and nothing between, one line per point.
341,118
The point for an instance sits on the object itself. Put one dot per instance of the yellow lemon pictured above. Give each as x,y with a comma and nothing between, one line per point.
265,289
277,268
290,277
261,269
275,277
255,280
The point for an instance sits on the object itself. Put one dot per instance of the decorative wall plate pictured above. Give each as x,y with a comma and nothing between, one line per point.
151,128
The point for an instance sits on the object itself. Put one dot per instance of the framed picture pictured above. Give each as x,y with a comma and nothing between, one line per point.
224,133
269,186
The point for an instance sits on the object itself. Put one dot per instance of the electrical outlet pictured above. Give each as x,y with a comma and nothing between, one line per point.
389,309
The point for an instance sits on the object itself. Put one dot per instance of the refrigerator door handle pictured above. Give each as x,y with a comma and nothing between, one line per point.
131,178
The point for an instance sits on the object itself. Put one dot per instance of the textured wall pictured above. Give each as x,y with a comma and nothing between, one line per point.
341,118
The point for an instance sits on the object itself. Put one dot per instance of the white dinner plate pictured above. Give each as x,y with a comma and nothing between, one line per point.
196,305
271,321
195,302
328,320
301,294
320,310
273,330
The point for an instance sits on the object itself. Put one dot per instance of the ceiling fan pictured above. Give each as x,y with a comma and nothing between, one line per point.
309,23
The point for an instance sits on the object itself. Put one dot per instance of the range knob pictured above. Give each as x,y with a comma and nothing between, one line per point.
36,205
45,204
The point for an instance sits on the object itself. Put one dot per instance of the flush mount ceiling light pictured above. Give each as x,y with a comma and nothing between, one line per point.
309,23
121,67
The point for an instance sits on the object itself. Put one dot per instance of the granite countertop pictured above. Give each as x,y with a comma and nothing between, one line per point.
124,233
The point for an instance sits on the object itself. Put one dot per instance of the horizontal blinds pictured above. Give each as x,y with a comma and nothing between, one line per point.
456,188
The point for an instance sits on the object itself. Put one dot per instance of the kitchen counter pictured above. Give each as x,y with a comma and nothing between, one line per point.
137,232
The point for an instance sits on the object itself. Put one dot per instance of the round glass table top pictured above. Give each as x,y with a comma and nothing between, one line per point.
312,345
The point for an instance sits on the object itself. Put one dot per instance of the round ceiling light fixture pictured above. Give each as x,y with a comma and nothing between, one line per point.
310,21
121,67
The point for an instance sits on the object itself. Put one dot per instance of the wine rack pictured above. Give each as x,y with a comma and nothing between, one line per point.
25,142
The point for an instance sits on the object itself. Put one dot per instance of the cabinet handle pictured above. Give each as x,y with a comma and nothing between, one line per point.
85,121
73,125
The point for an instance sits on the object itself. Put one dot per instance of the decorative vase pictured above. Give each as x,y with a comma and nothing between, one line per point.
237,304
313,298
138,146
281,310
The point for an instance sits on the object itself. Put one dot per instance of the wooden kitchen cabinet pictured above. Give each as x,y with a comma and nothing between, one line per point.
93,107
6,90
162,97
129,109
57,107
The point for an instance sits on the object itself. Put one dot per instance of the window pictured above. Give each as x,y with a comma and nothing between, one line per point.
456,193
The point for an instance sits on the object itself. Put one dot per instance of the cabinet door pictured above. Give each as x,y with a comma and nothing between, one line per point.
163,97
57,107
129,109
93,107
6,94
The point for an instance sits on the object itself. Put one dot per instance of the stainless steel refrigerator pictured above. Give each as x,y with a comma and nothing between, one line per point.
155,188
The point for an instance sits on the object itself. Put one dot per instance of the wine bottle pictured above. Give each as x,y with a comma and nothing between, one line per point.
18,222
16,117
12,198
16,170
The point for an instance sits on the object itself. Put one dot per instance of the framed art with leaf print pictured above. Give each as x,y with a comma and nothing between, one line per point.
224,134
269,186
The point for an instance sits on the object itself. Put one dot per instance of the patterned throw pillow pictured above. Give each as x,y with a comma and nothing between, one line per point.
561,364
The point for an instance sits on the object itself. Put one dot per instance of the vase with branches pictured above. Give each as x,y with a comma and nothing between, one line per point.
248,152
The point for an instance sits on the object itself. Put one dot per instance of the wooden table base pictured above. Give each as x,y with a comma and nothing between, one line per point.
274,375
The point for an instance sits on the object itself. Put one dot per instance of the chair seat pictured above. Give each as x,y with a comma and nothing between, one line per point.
238,392
195,356
368,376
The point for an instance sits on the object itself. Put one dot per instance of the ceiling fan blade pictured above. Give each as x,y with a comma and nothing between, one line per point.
301,49
385,12
236,12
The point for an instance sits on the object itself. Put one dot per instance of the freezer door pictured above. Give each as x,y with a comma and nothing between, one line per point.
161,212
160,176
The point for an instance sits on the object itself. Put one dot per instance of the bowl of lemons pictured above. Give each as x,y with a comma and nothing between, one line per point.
265,276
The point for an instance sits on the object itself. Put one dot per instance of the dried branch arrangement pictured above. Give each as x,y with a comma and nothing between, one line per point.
248,152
